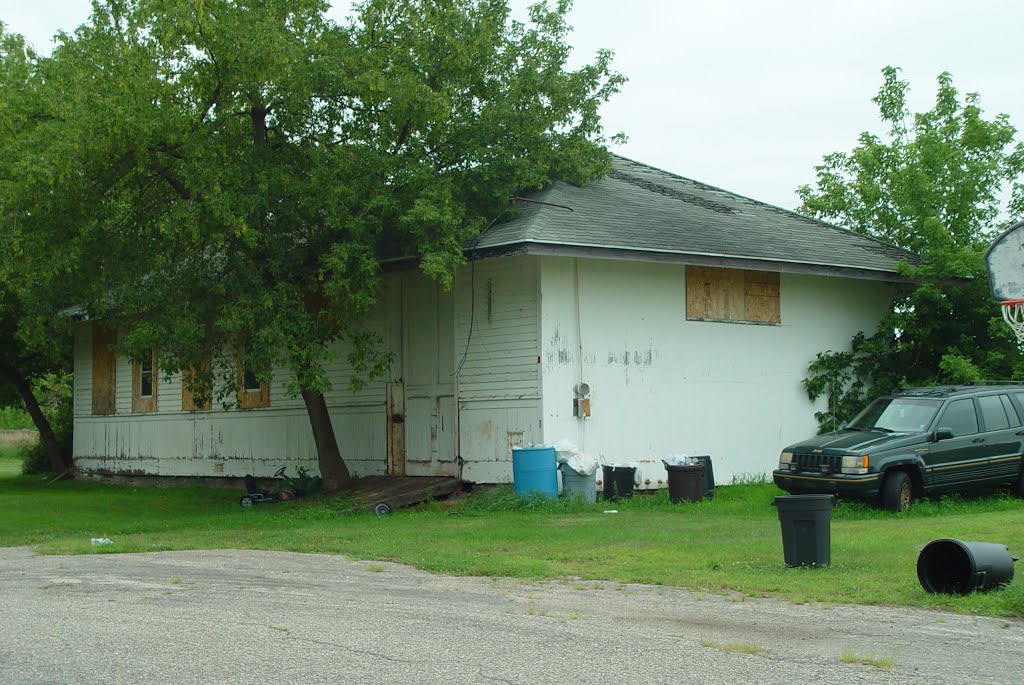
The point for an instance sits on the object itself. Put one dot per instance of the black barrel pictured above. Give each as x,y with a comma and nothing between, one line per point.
957,567
618,481
685,482
806,529
707,477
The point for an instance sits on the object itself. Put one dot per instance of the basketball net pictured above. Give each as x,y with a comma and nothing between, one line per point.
1013,315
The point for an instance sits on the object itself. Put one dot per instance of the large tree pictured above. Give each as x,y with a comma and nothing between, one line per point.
222,175
34,341
940,183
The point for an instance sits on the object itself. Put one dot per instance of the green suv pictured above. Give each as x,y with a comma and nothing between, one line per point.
915,442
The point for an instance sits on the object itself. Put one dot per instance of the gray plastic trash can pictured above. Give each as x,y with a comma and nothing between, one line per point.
577,485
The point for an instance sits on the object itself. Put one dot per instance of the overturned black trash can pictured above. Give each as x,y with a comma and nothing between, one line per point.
618,481
685,482
806,529
957,567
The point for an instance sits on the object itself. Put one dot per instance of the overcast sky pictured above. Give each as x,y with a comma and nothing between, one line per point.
749,95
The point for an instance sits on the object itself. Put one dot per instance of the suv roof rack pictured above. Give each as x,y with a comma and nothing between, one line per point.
994,383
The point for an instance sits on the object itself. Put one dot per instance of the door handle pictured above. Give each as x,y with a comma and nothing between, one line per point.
1019,433
978,440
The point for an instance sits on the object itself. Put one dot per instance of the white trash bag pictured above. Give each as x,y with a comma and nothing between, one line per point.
564,450
582,464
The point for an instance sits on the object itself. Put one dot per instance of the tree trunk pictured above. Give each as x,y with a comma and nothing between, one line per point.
333,471
46,435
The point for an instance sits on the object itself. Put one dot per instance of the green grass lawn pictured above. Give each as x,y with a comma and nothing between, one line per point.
730,545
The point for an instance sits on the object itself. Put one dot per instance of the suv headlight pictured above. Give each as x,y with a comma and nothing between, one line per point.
854,465
786,461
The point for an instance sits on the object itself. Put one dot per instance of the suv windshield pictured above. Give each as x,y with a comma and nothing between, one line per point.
897,414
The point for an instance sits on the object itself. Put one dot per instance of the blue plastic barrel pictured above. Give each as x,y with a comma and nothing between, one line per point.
534,471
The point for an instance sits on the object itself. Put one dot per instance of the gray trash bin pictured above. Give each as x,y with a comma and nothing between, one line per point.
577,485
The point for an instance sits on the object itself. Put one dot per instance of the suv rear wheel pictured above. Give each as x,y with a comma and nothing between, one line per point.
897,492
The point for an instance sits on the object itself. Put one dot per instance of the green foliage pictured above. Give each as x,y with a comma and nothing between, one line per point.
34,339
850,379
303,483
15,418
224,164
934,184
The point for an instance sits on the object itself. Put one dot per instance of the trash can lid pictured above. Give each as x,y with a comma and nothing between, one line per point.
804,501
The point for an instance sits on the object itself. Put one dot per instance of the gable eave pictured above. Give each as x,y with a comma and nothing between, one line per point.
582,250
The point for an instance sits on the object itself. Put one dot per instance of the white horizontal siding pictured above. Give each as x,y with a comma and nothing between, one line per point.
225,441
218,443
499,376
82,356
497,311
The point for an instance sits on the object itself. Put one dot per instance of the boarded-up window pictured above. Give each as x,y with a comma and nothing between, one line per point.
144,383
714,294
104,371
196,390
252,394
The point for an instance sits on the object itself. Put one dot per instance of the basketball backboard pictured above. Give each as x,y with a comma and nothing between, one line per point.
1005,261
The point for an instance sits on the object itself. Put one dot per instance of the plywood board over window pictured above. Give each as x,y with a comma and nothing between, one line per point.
144,377
196,397
736,295
252,394
104,371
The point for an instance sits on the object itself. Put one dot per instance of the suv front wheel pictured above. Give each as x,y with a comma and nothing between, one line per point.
897,492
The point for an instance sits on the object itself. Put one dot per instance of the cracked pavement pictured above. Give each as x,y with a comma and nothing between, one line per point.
231,616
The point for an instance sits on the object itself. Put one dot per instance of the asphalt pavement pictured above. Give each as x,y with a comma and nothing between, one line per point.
230,617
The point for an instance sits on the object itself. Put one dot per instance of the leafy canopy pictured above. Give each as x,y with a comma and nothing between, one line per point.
940,183
33,344
200,173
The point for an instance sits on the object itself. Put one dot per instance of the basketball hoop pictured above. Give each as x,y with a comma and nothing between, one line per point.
1013,315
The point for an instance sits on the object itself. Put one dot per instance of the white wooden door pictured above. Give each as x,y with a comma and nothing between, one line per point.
427,367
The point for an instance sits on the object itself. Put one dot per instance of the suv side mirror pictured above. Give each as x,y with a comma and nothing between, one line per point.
943,434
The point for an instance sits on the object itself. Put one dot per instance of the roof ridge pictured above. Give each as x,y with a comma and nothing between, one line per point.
775,208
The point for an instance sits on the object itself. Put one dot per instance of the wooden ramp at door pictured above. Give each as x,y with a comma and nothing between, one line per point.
383,494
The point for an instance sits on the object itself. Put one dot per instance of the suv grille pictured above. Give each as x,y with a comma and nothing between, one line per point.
806,461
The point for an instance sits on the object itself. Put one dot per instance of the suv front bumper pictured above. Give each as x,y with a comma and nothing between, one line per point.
811,482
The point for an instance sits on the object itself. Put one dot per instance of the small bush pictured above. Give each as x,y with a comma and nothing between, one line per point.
15,418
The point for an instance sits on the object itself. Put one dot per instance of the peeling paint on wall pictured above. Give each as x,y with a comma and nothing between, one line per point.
559,350
515,439
633,357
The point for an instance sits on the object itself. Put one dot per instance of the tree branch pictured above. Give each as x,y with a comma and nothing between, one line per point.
176,183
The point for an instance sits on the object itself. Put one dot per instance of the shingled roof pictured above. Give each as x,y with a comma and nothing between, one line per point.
643,213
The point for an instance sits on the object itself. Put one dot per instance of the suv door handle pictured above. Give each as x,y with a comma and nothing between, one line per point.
1019,433
978,440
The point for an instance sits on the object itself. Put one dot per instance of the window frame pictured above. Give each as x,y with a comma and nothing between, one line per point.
744,296
145,404
977,420
103,377
249,397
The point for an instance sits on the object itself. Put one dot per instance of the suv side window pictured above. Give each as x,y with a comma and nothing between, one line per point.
993,413
1011,412
960,417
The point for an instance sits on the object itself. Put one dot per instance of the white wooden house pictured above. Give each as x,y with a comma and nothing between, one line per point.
690,312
